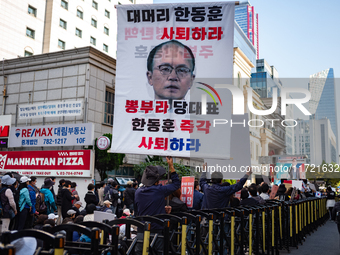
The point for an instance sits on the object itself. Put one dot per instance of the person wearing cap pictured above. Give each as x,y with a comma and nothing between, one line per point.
7,200
129,196
149,200
71,214
106,206
76,207
67,198
25,204
216,195
48,196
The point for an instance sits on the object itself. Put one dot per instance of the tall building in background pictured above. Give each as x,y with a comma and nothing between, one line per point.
302,139
263,82
33,27
265,79
322,103
323,142
248,20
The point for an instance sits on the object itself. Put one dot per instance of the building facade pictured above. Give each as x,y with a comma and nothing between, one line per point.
323,101
323,142
83,74
265,79
248,21
37,26
302,139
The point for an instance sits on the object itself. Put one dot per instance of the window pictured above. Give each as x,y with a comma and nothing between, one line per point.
109,107
105,48
95,5
64,4
106,31
94,22
32,11
79,14
61,44
30,33
107,14
251,150
27,53
79,32
257,152
63,24
93,41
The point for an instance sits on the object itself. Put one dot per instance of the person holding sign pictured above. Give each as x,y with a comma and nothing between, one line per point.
216,195
170,70
149,199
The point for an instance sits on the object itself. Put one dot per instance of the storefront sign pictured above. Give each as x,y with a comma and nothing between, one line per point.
76,163
54,135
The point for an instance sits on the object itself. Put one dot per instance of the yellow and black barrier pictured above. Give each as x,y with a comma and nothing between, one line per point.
261,229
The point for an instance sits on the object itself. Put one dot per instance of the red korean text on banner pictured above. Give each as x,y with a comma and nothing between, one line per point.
187,190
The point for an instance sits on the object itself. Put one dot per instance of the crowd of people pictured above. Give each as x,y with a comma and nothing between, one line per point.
26,206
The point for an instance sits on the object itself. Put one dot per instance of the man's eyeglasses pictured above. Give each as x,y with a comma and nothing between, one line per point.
180,71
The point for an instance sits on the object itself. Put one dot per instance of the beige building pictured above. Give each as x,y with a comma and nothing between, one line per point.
31,27
267,138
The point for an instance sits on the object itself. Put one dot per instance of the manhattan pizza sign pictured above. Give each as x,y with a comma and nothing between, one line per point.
75,163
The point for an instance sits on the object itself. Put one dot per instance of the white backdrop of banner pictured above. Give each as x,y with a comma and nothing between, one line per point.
56,135
154,109
51,109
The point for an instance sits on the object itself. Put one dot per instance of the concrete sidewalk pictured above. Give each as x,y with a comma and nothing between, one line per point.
323,241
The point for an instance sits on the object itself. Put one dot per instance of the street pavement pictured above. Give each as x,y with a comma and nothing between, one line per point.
323,241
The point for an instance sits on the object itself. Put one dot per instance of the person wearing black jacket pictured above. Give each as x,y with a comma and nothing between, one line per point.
90,197
67,198
281,193
177,205
59,200
129,195
246,200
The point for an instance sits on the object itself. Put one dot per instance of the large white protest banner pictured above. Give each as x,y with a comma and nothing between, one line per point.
172,60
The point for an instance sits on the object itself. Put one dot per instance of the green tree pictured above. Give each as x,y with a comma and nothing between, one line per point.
181,170
105,161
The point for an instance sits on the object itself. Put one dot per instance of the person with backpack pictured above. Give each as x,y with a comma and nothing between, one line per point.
47,197
25,204
59,200
9,209
112,195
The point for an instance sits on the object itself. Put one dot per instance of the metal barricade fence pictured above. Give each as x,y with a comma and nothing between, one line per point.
260,229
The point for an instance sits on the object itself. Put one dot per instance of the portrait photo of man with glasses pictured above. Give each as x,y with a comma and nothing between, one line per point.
171,68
